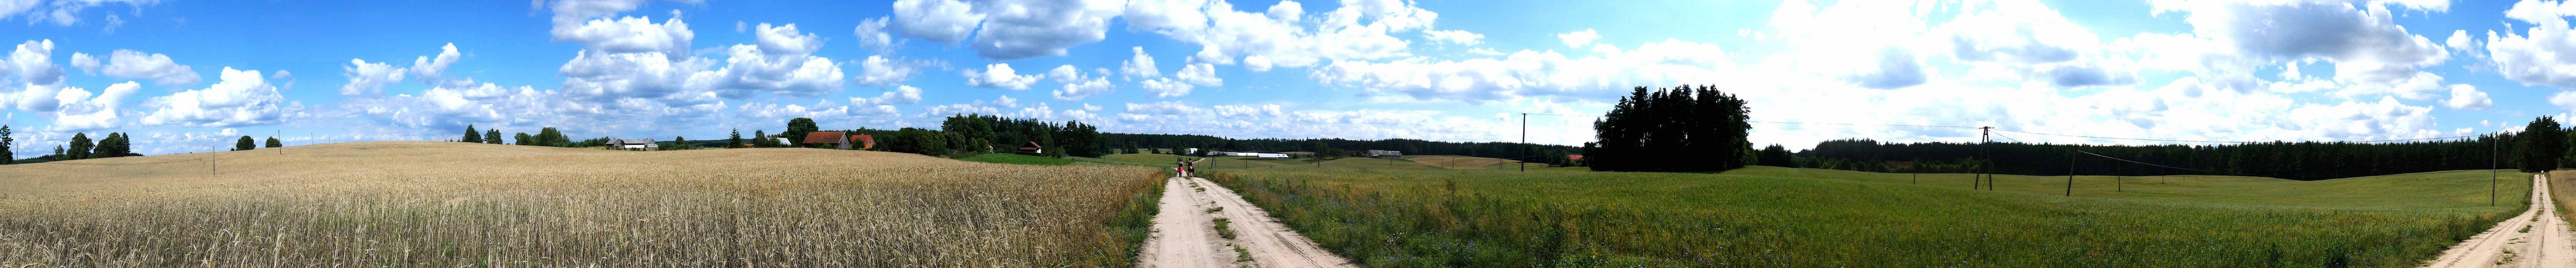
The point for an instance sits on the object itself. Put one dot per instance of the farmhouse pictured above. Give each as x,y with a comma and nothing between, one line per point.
836,139
1384,153
865,141
633,144
1032,148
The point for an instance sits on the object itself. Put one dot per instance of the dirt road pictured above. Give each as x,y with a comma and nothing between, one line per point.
2537,238
1186,232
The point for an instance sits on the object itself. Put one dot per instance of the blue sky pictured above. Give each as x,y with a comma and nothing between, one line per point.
186,76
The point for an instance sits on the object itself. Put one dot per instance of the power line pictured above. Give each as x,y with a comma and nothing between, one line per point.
2241,142
1852,124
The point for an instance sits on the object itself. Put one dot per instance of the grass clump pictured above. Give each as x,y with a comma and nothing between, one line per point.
1224,228
1779,217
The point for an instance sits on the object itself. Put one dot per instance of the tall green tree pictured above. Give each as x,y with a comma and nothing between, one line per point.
80,146
274,143
523,139
245,144
761,138
550,137
471,135
7,156
678,143
798,128
2543,142
492,135
736,141
115,145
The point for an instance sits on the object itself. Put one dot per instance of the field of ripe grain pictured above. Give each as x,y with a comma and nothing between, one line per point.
1782,217
456,204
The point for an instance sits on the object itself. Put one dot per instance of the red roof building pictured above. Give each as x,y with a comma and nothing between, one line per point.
865,141
837,139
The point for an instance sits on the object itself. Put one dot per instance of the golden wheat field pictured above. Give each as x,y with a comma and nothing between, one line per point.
458,204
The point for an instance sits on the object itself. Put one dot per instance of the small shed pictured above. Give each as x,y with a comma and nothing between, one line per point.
835,139
1032,148
633,144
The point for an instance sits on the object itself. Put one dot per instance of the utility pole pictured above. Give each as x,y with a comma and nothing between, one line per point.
1527,150
2070,172
1985,147
2494,162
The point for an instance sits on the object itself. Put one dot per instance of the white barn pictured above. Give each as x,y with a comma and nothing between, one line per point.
633,144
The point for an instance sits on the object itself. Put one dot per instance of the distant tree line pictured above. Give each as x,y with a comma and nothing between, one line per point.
2542,145
977,134
547,136
1146,143
80,146
1678,129
2288,160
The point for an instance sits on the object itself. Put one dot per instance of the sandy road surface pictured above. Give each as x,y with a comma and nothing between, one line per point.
2537,238
1185,233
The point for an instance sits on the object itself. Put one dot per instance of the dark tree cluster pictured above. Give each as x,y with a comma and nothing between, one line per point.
2544,147
1678,129
975,133
82,147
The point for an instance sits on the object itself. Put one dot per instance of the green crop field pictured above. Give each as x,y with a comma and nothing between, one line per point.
1017,159
1385,216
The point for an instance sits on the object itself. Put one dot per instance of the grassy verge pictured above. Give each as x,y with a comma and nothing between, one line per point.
1775,217
1129,228
2562,183
1017,159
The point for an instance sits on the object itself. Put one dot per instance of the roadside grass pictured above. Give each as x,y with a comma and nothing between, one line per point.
1781,217
2562,189
1005,158
448,204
